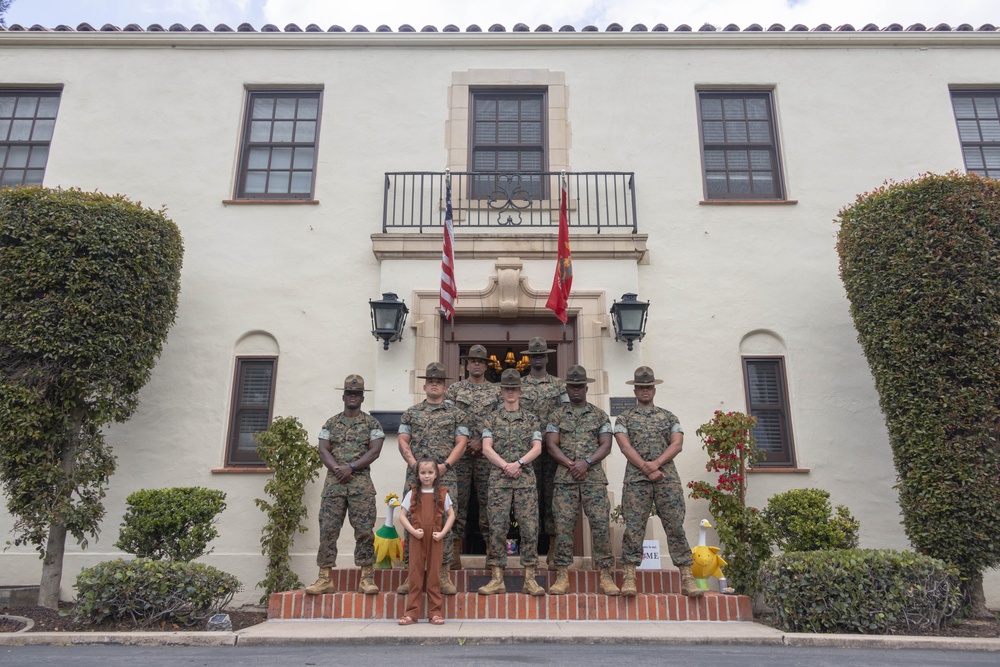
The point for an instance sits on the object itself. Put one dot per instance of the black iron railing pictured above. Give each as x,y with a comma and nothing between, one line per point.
598,200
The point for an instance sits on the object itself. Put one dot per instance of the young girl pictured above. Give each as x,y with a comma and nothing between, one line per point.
425,506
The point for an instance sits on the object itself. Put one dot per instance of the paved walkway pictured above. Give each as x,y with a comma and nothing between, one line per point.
274,633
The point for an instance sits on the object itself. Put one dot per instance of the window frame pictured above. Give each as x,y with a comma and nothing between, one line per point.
994,93
773,147
247,145
234,457
542,147
7,144
782,407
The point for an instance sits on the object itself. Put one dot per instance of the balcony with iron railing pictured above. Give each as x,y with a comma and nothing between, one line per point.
505,214
599,202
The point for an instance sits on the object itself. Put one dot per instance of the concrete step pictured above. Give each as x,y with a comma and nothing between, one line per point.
657,600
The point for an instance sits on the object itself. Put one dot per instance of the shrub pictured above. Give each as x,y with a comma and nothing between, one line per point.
860,591
88,290
176,524
285,448
145,592
801,520
746,541
920,261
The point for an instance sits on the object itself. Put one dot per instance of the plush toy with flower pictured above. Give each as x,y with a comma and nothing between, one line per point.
388,546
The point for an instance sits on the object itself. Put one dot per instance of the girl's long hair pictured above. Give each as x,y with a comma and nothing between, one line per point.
417,496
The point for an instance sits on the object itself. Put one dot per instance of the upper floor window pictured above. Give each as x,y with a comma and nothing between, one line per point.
508,137
27,119
252,407
280,135
767,400
739,145
977,113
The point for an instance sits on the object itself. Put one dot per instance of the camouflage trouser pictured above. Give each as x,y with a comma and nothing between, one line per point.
545,474
356,501
638,498
524,502
447,479
567,499
467,470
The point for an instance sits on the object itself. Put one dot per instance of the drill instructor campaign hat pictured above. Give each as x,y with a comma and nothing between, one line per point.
353,382
644,377
510,378
578,375
435,371
537,345
477,352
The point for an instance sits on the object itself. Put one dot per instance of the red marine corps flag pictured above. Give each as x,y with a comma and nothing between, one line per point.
449,292
563,280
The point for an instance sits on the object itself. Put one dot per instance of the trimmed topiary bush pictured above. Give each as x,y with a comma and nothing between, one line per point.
176,524
920,261
860,591
146,592
88,290
802,520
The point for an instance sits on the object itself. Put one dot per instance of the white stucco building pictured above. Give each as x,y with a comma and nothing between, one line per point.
304,169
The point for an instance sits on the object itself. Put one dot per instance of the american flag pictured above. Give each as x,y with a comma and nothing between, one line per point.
449,292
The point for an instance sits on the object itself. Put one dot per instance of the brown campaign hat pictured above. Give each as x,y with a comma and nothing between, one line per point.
578,375
644,377
510,378
435,371
353,382
537,345
477,352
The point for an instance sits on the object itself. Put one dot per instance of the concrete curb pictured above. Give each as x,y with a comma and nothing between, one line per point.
287,633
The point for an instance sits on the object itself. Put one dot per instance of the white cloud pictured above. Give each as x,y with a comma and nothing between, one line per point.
439,13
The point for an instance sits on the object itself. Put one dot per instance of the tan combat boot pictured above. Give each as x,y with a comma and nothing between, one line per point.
607,583
628,582
495,585
322,585
447,588
367,585
531,586
404,587
561,587
457,563
689,586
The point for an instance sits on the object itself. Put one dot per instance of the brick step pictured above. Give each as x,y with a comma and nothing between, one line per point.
581,604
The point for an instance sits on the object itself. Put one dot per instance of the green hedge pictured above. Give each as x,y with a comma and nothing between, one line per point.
146,592
860,591
176,524
802,520
920,261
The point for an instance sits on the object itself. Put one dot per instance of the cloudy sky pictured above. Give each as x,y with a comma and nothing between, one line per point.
577,13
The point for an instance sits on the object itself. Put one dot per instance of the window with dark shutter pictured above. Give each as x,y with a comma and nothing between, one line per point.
280,136
253,402
508,138
977,113
739,145
27,121
767,400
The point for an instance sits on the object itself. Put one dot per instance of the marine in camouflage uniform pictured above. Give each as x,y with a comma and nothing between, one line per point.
512,440
543,394
477,398
436,430
349,443
650,438
578,437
